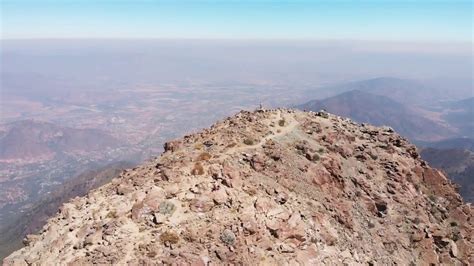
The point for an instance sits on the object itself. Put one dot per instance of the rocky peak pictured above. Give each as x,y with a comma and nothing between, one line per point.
267,187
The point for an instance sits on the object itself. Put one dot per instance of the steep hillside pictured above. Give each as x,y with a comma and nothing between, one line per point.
379,110
268,187
458,164
32,219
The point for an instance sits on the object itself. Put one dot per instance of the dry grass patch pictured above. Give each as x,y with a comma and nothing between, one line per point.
248,141
198,169
282,122
198,146
204,156
169,237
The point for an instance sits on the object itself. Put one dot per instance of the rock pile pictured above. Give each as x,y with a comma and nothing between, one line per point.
276,187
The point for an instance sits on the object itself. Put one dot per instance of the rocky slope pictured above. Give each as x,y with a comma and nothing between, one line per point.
268,187
31,219
458,164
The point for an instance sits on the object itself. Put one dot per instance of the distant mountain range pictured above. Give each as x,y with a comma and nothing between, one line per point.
404,91
454,143
380,110
460,114
35,140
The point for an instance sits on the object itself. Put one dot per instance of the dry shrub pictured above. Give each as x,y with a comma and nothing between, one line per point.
112,214
232,144
204,156
169,237
248,141
281,122
152,254
198,169
198,146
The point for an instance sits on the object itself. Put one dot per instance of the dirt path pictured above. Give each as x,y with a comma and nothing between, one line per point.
291,123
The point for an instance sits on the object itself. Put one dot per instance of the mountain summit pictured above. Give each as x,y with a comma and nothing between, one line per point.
267,187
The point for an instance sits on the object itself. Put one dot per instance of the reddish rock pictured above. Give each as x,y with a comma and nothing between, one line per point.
333,165
293,228
219,196
320,176
308,256
140,210
282,209
263,205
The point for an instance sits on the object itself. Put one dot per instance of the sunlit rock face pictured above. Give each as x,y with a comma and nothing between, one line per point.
267,187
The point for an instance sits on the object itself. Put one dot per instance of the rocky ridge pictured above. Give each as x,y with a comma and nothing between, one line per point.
271,187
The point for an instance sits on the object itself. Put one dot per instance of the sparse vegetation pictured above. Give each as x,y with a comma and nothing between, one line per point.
112,214
204,156
251,191
198,146
248,141
373,156
167,207
228,237
198,169
432,198
202,199
314,157
416,220
282,122
169,237
232,144
151,254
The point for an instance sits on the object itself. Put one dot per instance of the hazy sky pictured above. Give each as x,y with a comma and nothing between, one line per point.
421,20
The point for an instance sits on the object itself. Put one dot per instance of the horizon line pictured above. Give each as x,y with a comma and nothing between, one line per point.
236,39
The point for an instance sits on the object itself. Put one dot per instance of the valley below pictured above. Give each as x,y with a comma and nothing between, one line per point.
74,118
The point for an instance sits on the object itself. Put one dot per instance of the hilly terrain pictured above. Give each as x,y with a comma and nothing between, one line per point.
36,159
30,140
454,143
405,91
35,156
267,187
460,114
380,110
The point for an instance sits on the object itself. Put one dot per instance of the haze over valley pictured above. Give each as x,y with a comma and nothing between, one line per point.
256,132
72,110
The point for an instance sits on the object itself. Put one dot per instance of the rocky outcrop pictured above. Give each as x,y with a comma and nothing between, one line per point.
267,187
